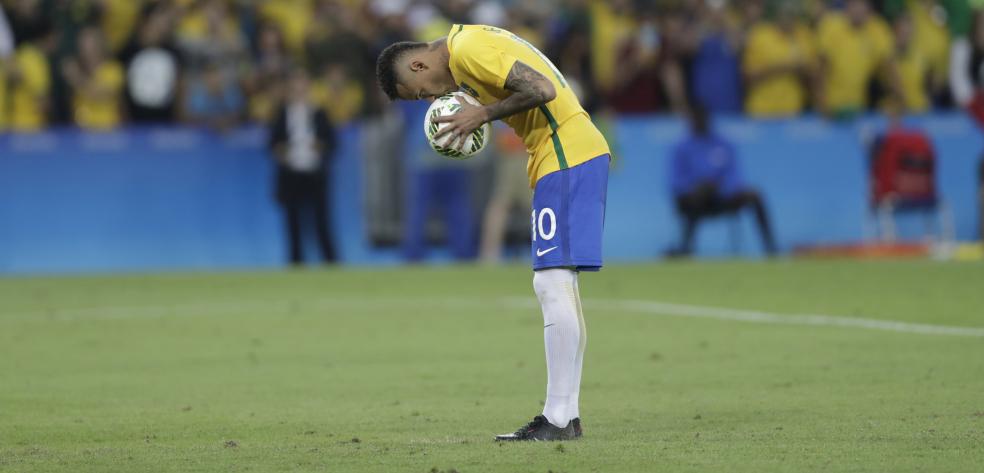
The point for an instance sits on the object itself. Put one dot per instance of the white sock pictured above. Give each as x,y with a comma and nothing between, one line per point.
573,408
555,288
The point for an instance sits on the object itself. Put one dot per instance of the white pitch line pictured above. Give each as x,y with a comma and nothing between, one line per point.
236,307
214,308
755,316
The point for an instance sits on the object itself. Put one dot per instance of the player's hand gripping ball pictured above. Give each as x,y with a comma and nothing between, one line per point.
448,144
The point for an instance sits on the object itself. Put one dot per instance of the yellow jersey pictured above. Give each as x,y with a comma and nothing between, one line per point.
342,103
609,29
931,38
118,20
853,56
559,134
101,113
28,98
914,70
782,94
3,96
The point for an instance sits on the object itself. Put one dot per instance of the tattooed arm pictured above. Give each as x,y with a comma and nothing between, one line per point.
529,88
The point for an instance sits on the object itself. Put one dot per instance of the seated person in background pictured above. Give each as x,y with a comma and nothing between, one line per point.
706,182
96,82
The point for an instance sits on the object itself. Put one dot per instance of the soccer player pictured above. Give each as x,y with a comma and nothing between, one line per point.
568,170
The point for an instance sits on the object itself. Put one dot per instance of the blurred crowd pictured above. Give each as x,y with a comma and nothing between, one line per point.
98,64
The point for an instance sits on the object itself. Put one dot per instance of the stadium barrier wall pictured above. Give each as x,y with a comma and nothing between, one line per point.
148,199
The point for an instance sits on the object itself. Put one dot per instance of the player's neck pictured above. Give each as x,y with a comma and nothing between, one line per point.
440,46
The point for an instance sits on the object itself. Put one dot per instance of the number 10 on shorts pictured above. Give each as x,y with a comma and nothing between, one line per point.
544,219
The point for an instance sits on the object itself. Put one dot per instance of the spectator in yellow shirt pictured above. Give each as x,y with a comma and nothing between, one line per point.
27,81
293,18
118,20
5,64
929,20
914,68
779,65
267,72
96,83
854,48
612,23
338,94
930,35
209,34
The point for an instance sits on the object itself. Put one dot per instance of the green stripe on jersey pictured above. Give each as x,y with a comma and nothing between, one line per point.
460,27
558,148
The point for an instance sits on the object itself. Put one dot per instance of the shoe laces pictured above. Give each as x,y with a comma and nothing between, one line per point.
532,425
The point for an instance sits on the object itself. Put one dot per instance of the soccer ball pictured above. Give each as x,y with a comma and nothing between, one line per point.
449,105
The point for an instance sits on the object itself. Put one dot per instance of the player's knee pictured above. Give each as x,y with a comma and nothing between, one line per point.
752,196
549,284
540,285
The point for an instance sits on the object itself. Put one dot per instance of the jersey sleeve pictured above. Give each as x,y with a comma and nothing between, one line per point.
484,62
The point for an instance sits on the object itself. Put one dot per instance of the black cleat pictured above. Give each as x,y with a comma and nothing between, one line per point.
539,430
576,424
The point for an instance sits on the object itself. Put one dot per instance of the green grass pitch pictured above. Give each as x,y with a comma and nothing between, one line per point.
415,370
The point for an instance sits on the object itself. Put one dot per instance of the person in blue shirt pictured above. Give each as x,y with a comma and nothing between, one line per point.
435,183
706,182
215,100
715,70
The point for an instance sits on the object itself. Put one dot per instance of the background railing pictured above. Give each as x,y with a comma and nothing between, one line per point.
181,198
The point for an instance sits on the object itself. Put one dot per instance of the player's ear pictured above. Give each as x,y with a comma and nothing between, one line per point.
417,65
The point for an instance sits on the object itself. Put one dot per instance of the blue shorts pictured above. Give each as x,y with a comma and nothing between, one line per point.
569,216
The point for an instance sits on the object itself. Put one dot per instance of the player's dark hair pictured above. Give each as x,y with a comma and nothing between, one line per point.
386,65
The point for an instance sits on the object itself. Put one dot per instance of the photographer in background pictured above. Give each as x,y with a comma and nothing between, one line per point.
302,141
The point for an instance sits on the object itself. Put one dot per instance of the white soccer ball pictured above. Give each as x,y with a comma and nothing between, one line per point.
449,105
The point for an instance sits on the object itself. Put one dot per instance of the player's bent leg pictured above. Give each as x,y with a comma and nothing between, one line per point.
562,337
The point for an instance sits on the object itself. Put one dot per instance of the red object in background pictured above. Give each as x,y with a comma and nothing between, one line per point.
976,108
869,251
903,169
